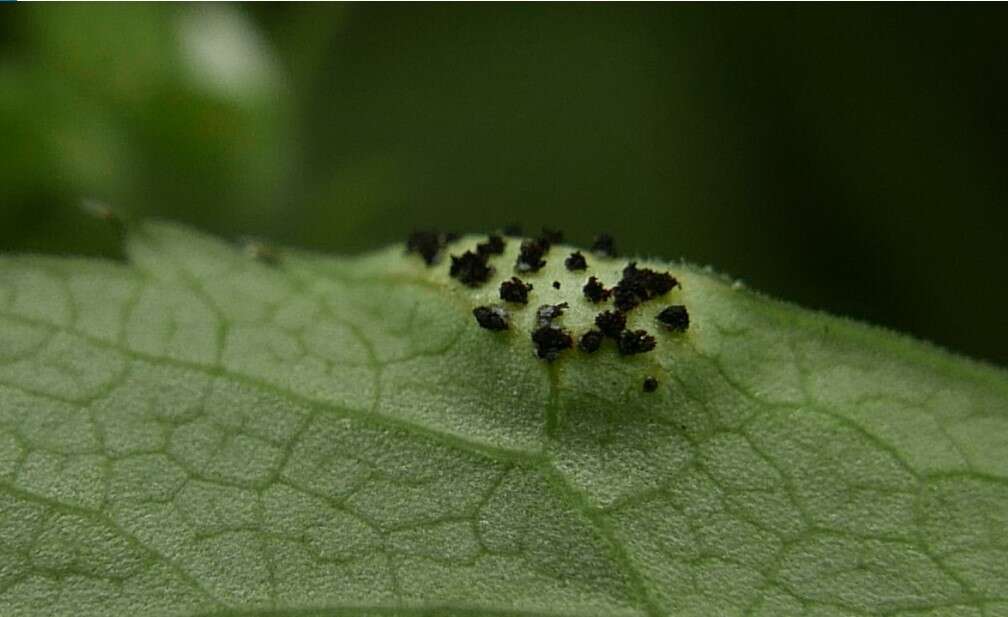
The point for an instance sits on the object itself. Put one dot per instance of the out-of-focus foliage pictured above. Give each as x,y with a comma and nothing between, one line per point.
848,158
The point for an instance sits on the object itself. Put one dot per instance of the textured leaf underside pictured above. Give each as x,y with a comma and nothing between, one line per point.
198,433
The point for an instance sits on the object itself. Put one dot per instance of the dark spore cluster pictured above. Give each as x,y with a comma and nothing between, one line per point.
639,285
471,269
674,317
515,290
427,244
576,261
530,256
491,317
624,298
595,291
635,341
550,341
591,341
611,323
549,338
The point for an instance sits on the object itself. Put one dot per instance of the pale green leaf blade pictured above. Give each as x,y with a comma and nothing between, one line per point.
199,433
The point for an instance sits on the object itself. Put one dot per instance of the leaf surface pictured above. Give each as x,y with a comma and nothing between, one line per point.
199,433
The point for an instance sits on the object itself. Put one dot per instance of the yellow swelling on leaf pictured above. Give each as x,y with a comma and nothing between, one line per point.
200,433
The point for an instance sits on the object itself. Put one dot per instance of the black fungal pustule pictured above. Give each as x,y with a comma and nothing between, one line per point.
491,317
639,285
675,318
494,245
556,284
635,341
550,341
470,269
427,244
576,261
625,298
549,237
590,341
650,384
546,313
653,283
611,323
515,291
604,246
595,291
530,259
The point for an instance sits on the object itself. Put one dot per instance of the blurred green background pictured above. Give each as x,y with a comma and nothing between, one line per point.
849,158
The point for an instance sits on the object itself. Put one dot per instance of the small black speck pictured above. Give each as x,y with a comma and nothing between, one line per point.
470,269
595,291
650,384
512,230
550,341
611,323
546,313
451,236
556,284
675,318
590,341
491,317
493,246
515,290
549,237
604,246
635,341
530,259
575,261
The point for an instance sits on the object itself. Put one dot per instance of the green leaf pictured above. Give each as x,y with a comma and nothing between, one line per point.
201,433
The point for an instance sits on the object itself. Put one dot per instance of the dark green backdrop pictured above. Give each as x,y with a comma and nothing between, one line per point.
850,158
